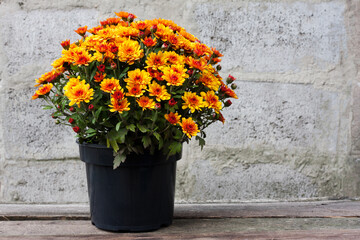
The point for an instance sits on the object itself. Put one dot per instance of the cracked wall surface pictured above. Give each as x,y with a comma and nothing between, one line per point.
294,132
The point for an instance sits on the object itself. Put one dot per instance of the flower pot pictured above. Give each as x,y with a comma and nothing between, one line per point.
137,196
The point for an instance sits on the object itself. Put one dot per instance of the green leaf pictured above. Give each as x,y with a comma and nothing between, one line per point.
175,147
118,126
90,130
114,144
119,158
146,140
201,142
157,135
97,113
131,127
142,128
46,107
123,73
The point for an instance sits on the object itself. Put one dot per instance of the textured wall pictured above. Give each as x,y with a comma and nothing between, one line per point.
294,133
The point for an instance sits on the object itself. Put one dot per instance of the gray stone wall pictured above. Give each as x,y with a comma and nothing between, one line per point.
293,134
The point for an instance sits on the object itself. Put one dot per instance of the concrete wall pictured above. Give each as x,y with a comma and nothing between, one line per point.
294,133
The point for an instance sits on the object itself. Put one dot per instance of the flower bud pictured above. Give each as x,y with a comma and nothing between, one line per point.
57,122
228,103
76,129
113,65
233,86
190,72
141,34
71,120
101,67
172,102
72,109
54,117
157,106
218,67
91,107
165,45
230,79
153,28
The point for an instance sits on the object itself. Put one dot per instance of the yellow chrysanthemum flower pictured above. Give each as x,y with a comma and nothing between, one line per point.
211,100
110,85
135,90
210,81
42,90
189,127
78,93
129,51
138,76
158,91
174,58
119,105
156,61
192,101
146,103
71,83
172,78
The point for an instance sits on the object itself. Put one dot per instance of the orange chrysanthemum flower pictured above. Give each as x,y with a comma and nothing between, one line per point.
156,61
146,103
119,105
81,92
141,25
227,91
125,15
81,30
159,92
129,51
138,76
189,127
180,69
134,90
99,76
211,100
149,42
118,95
174,58
172,78
81,57
42,90
47,77
196,63
192,101
110,85
174,40
95,30
173,118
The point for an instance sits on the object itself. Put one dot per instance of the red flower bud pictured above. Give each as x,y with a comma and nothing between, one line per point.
76,129
113,65
190,72
228,103
153,28
172,102
131,16
72,109
157,106
91,107
53,117
101,68
230,79
71,120
165,45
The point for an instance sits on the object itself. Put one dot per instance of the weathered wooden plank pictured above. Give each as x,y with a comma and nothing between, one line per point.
193,227
294,235
317,209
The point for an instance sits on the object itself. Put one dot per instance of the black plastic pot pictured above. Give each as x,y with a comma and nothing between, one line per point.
137,196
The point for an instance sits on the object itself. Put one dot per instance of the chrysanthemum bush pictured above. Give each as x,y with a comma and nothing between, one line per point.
136,86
